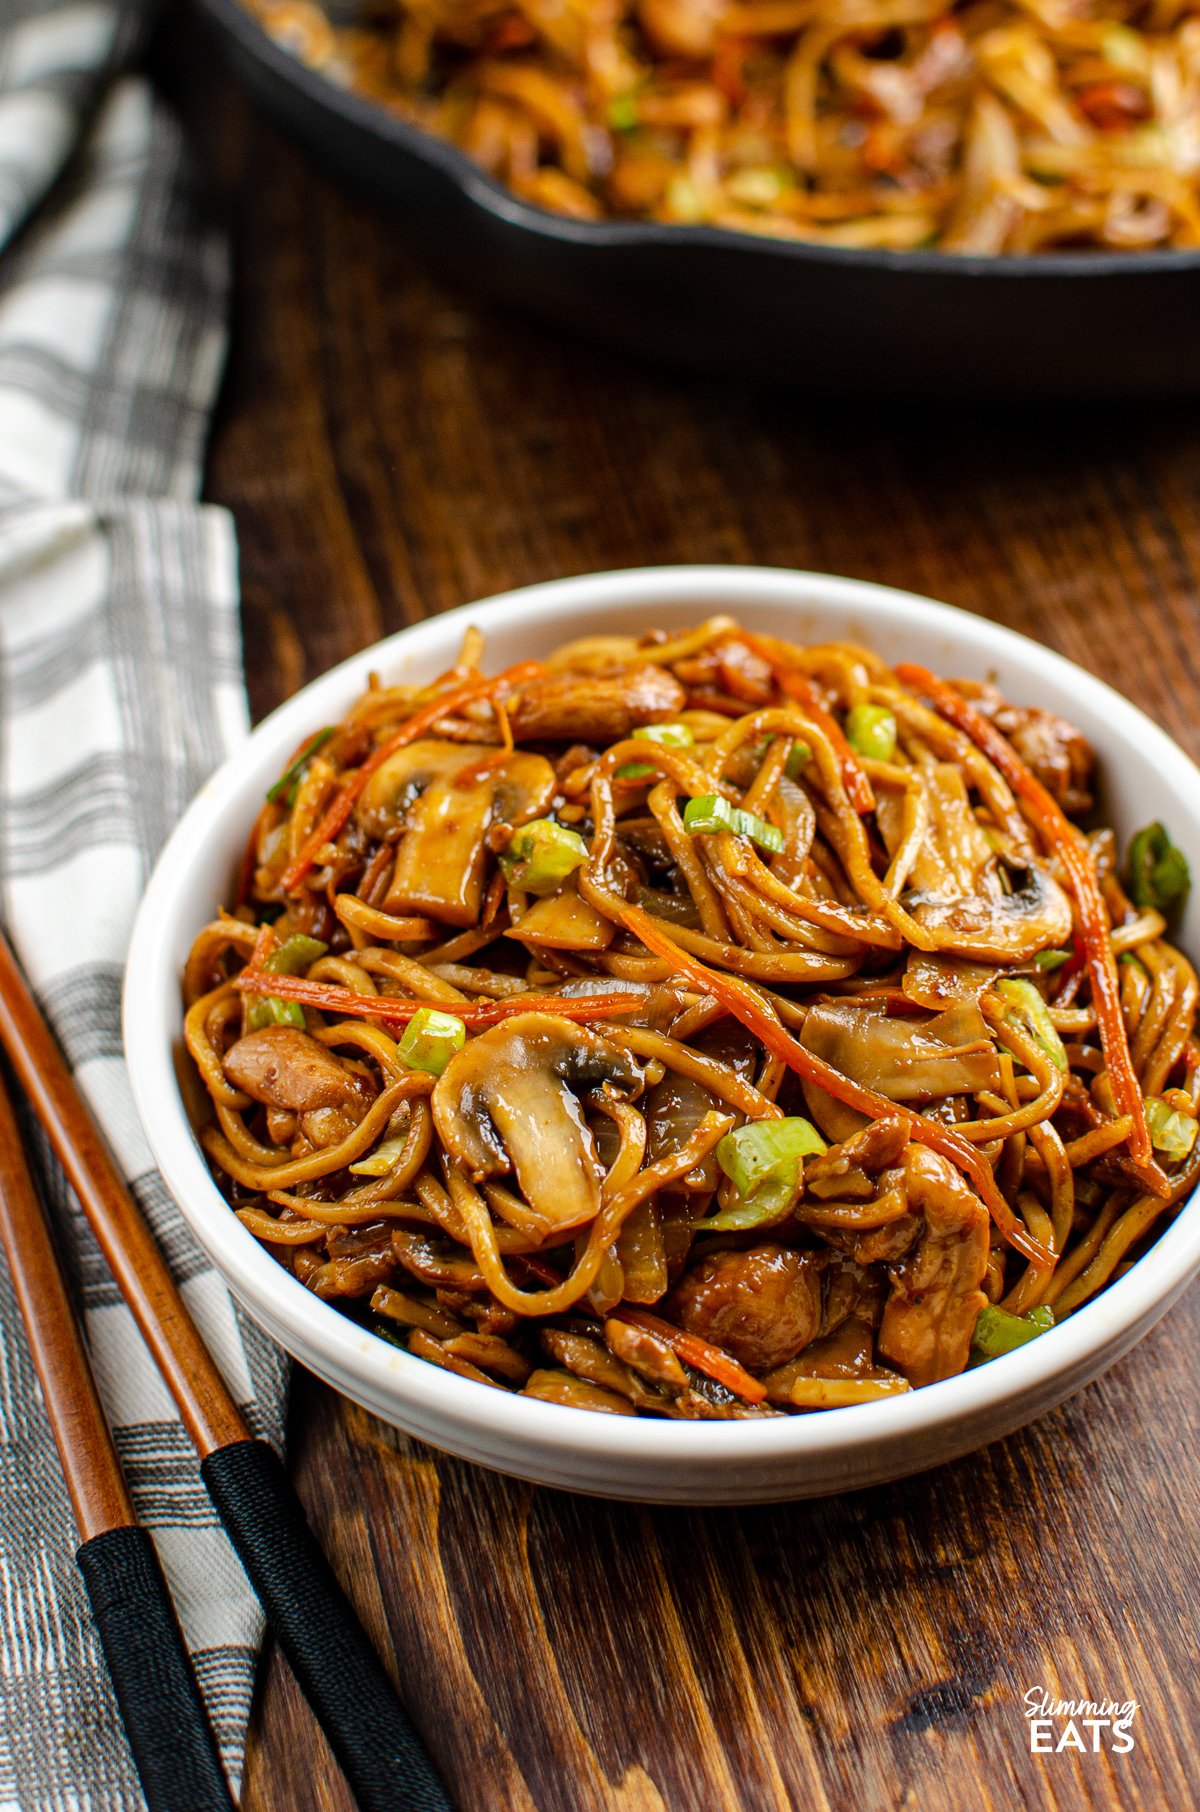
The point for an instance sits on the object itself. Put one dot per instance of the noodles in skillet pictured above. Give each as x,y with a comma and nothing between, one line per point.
991,126
698,1025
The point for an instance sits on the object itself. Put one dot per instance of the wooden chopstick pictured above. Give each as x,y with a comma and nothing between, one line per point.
168,1729
329,1651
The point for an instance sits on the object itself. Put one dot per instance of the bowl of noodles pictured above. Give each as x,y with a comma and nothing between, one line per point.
985,197
695,1034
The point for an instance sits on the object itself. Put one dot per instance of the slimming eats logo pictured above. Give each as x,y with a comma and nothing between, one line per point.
1081,1725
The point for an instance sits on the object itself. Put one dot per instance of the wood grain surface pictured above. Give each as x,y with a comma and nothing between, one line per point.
392,447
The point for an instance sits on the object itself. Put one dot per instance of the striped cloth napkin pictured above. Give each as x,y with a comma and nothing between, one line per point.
120,689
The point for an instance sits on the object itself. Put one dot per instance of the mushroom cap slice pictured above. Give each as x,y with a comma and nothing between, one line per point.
445,806
506,1102
956,890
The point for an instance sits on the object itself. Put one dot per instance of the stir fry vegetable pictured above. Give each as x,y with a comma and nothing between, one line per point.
711,814
997,1332
292,958
1158,874
542,855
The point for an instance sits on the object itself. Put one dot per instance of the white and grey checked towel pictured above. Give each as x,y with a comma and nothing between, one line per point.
120,689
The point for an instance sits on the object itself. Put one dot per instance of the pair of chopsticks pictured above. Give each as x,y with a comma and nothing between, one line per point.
330,1654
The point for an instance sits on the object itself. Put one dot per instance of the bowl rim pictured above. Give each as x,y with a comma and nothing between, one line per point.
355,110
441,1399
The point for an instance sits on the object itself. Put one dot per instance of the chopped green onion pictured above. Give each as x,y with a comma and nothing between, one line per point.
1157,873
769,1203
766,1148
763,1160
1052,959
296,953
711,813
385,1157
542,855
1171,1132
430,1040
286,786
997,1332
1027,1008
871,732
267,1011
623,113
670,736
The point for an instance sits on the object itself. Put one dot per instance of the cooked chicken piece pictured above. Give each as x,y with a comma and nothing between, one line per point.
283,1067
838,1171
936,1290
763,1304
851,1294
598,708
1059,754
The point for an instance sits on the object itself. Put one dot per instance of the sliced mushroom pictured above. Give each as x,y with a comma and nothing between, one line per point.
446,805
904,1059
506,1103
284,1068
962,891
597,708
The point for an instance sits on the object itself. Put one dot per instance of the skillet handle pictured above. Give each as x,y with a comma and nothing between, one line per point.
331,1656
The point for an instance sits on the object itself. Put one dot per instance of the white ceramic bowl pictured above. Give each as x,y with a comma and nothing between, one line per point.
1146,776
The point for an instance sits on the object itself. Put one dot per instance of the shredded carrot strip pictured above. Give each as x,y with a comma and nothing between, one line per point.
798,687
758,1018
714,1361
327,997
342,803
1062,838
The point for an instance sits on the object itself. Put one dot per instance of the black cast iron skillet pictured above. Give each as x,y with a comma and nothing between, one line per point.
1068,325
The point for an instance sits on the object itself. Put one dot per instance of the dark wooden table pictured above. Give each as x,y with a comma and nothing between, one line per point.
392,447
